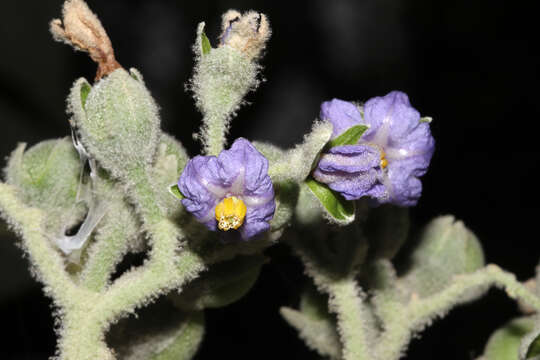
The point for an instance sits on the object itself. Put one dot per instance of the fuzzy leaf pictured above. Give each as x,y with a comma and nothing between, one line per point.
47,176
349,137
315,325
504,343
386,229
222,285
160,332
340,210
446,248
530,344
318,335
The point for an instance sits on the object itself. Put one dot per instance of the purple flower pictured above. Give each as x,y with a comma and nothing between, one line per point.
230,191
389,158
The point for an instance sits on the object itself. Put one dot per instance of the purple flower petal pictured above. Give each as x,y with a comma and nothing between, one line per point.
396,132
241,171
341,114
352,170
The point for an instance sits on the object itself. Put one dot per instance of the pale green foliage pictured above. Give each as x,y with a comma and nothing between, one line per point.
387,228
118,123
222,285
446,248
159,332
47,176
171,158
308,210
368,310
315,325
504,343
529,348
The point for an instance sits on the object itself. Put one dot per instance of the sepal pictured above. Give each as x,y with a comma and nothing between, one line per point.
336,209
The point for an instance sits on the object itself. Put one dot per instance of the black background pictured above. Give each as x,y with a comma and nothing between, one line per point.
471,65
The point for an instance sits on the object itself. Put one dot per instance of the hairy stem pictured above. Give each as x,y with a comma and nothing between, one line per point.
215,132
27,222
345,301
419,312
103,258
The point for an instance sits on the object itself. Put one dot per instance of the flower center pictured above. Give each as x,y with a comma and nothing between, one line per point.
230,213
384,162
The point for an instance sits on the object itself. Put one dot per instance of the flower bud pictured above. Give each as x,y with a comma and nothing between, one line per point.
117,121
247,33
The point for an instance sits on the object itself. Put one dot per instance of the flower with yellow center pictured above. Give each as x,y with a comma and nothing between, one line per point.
230,191
230,213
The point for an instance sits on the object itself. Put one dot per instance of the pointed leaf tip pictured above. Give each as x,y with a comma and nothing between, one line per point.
205,44
349,137
175,191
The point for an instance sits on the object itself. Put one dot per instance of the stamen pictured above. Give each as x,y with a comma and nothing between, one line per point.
230,213
384,162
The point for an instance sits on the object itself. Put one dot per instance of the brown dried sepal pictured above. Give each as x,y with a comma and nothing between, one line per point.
81,29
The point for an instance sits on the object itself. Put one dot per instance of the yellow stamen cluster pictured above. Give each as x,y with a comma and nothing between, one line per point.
230,213
384,162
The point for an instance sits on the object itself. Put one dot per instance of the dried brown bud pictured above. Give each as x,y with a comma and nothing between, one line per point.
81,29
247,33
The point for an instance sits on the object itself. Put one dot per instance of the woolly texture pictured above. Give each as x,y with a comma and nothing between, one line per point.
242,172
389,158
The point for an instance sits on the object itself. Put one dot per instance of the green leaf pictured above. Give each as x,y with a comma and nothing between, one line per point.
175,191
349,137
534,348
205,44
426,119
223,284
336,206
503,344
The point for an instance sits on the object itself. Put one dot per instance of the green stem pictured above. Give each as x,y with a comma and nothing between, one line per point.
345,301
28,222
102,262
163,271
214,133
420,311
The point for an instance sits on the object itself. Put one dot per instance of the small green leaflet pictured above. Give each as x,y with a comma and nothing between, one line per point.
349,137
205,44
85,90
173,189
534,348
426,119
339,208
